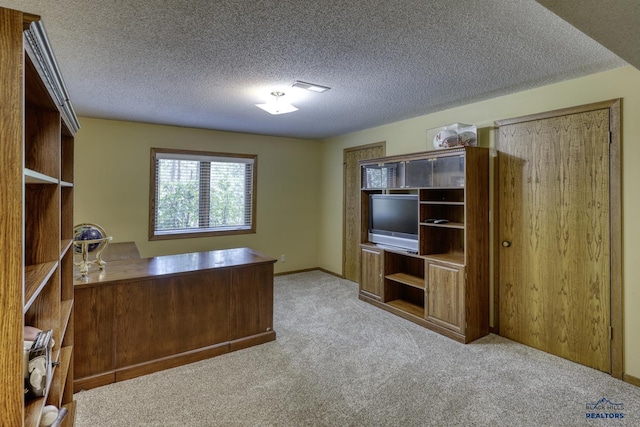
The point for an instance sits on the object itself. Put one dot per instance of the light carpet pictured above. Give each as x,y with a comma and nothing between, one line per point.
338,361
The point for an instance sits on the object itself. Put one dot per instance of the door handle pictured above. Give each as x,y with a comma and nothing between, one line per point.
506,243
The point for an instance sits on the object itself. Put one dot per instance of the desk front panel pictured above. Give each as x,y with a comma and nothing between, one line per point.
162,317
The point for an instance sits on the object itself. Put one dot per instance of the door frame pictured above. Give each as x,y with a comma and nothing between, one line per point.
615,222
379,144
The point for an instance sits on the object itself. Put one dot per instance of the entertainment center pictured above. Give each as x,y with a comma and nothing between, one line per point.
425,239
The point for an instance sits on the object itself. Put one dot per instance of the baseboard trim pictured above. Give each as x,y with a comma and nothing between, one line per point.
631,380
252,340
340,276
286,273
171,361
94,381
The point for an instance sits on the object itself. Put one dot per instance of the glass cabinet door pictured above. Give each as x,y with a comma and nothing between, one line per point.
420,173
387,175
448,171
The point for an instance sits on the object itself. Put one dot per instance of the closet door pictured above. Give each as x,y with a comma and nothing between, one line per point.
554,259
351,237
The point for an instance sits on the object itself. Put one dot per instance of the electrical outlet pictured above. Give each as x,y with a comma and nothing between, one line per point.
283,258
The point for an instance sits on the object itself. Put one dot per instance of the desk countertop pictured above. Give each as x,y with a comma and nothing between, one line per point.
167,265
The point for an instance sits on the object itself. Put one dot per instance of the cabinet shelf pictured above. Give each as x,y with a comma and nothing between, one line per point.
407,279
441,202
455,187
459,225
35,278
64,246
59,377
408,307
33,177
65,316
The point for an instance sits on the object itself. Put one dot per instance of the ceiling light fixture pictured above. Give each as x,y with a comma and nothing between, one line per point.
310,86
275,107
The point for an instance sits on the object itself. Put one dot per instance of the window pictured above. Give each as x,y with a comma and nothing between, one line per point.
196,194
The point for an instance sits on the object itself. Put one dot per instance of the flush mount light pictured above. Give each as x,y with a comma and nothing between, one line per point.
275,107
310,86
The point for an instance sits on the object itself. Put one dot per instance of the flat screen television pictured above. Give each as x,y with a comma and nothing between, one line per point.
393,220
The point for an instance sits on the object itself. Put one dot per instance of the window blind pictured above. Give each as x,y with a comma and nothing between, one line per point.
200,193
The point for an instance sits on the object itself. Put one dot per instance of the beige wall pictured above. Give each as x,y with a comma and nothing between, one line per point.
112,187
410,136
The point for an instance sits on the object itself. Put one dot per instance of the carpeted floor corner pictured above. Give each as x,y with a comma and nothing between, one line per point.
338,361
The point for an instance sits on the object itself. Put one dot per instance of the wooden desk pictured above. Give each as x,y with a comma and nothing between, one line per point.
145,315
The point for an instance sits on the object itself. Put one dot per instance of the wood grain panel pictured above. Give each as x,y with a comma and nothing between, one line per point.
554,201
445,297
251,301
163,317
66,213
477,237
36,94
351,206
11,313
66,159
42,223
44,313
371,279
42,141
94,335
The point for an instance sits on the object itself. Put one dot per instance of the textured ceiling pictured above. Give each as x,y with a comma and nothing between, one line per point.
615,24
206,64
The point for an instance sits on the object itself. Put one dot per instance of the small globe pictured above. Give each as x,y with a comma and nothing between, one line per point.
88,232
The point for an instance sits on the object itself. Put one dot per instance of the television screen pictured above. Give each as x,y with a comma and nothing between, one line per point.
393,220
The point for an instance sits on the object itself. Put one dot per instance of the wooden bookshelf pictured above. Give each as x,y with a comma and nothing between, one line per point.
37,132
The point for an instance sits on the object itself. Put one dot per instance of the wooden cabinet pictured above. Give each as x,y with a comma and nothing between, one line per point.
36,207
444,285
371,264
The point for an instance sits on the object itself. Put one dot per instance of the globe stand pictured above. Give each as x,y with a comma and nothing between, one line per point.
88,237
85,263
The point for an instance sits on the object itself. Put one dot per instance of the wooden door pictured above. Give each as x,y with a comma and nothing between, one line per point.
351,238
554,242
